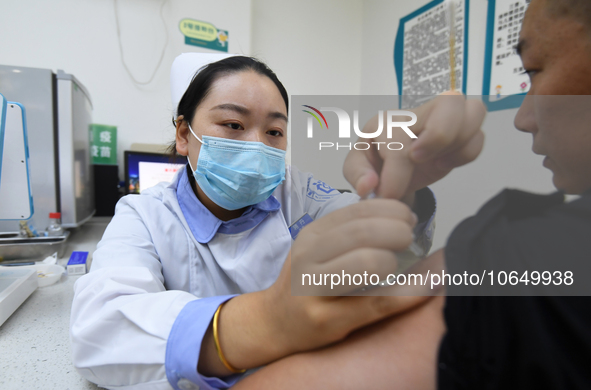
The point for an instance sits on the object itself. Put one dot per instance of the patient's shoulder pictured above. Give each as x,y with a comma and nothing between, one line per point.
519,229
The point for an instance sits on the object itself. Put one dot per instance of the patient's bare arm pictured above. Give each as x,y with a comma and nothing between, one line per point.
397,353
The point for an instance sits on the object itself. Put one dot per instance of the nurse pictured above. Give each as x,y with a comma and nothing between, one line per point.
190,284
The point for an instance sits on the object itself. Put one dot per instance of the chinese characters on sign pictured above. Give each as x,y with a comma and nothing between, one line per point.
103,144
505,81
203,34
422,51
507,73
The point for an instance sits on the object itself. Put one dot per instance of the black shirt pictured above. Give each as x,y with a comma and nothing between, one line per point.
537,338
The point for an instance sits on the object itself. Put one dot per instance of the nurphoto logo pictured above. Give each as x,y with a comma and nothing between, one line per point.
392,122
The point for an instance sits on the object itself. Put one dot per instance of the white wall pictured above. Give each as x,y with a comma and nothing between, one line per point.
316,47
79,36
313,46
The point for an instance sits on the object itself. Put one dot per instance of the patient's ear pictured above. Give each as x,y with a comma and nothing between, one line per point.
182,136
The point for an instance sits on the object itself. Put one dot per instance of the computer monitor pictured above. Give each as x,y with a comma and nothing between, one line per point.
144,170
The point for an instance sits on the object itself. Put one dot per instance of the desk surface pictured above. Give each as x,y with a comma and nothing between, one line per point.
34,341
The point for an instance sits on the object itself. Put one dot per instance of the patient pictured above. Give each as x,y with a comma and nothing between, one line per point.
467,342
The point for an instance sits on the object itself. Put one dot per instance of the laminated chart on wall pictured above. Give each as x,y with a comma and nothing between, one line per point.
422,51
504,83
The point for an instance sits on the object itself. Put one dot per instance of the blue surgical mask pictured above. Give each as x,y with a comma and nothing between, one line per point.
236,174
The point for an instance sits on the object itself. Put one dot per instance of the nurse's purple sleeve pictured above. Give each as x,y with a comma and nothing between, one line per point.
184,345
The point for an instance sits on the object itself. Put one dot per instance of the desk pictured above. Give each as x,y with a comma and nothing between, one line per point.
34,341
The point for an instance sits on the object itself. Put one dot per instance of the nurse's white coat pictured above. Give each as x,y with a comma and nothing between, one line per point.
148,266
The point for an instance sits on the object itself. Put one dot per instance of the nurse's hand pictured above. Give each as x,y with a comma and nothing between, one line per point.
260,327
449,135
360,239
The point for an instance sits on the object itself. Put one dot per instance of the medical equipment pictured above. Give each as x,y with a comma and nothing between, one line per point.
16,202
58,112
52,113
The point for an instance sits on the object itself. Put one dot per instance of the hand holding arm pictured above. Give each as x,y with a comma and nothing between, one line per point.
403,350
261,327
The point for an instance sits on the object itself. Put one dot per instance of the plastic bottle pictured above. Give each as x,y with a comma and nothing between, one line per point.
55,226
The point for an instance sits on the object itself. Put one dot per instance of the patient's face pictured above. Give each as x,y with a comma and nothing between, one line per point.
556,52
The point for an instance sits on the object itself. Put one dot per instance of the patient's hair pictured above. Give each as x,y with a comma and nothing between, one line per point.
208,74
577,9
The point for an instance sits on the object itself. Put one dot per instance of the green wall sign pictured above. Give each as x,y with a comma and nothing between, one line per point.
203,34
103,144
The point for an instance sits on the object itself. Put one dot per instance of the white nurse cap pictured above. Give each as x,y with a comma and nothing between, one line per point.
184,68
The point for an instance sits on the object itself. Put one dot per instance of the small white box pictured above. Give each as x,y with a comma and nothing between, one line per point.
77,263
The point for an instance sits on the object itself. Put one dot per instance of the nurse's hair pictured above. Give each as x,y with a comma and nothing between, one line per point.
208,74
